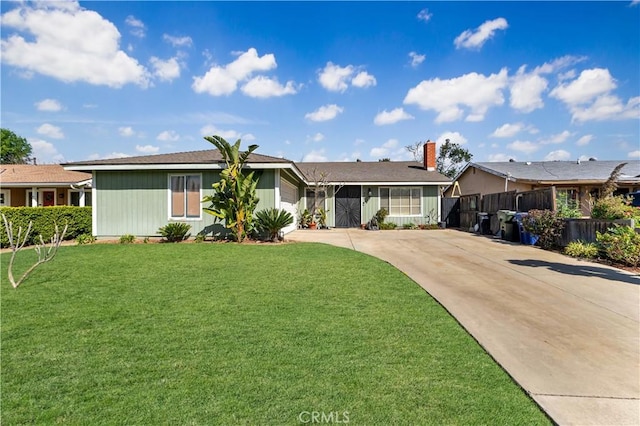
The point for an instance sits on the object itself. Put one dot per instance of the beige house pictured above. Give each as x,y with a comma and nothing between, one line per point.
43,185
577,182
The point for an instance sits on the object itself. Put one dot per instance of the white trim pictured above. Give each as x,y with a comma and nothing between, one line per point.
82,196
276,189
387,183
439,213
184,218
162,167
94,205
7,197
38,201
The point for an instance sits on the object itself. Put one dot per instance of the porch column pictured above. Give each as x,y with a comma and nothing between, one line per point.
34,197
81,197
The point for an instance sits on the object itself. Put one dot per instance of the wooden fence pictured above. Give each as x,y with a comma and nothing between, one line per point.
538,199
451,211
469,208
585,229
491,203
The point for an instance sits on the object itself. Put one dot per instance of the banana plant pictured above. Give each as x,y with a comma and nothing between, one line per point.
234,198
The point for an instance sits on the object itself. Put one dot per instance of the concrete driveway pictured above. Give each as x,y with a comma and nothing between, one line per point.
566,330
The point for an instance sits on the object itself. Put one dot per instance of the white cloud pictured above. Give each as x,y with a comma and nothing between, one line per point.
165,70
634,2
475,39
56,44
559,155
223,80
336,78
126,131
45,152
634,154
507,130
325,113
526,91
474,91
363,80
50,105
499,157
584,140
51,131
589,97
424,15
317,137
391,117
315,156
108,156
557,138
454,137
137,26
416,59
230,134
390,149
523,146
265,87
168,136
147,149
184,41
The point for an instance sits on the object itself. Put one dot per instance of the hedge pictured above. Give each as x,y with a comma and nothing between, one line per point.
44,220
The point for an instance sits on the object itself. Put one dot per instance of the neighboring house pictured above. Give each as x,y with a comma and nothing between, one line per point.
43,185
138,195
577,182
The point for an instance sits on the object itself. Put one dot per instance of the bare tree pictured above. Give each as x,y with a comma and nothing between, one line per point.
416,150
17,242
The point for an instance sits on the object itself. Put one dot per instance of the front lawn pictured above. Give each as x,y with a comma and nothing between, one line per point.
228,334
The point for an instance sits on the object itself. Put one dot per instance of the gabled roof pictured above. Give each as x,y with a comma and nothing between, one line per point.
372,172
46,174
210,156
560,171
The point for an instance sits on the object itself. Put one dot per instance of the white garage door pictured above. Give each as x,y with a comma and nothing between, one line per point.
288,200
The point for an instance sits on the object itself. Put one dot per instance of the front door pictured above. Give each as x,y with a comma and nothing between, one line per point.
48,198
348,207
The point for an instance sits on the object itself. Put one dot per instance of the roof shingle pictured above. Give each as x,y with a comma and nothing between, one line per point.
29,174
371,171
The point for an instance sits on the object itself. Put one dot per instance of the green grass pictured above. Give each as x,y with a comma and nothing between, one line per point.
228,334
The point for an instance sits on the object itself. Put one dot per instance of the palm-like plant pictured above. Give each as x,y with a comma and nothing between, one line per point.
234,198
271,221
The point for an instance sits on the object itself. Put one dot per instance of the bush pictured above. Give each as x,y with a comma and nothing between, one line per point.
546,224
567,212
200,238
271,221
381,215
85,239
612,208
620,244
175,232
581,249
127,239
44,220
409,225
387,226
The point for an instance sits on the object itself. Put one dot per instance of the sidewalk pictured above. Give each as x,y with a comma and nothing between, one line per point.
567,331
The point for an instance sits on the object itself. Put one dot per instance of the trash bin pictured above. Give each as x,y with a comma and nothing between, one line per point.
484,225
526,238
507,226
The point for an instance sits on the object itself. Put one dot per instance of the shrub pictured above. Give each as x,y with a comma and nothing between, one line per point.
387,226
199,238
581,249
175,232
546,224
85,239
381,215
271,221
568,212
409,225
44,220
612,208
127,239
620,244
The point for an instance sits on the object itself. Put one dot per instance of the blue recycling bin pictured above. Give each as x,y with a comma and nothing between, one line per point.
526,238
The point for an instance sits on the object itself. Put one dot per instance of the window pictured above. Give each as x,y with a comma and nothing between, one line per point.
5,198
567,198
184,199
74,198
401,201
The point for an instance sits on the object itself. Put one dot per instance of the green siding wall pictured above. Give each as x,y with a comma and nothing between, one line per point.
137,202
429,206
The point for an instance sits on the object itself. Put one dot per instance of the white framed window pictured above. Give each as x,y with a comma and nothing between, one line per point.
567,197
185,194
76,198
401,201
5,198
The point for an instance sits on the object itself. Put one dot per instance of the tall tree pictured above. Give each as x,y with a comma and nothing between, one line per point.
234,198
451,158
14,149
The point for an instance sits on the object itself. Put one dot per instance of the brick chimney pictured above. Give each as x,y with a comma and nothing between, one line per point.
429,150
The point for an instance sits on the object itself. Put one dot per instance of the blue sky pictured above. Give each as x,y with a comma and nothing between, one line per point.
323,81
